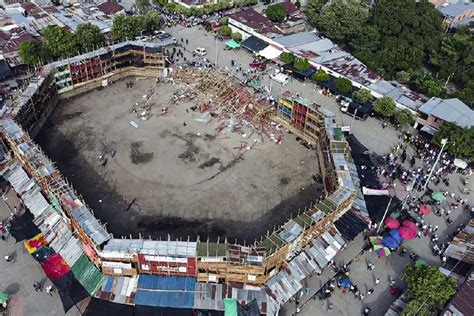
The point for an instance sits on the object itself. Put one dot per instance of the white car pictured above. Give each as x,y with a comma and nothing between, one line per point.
280,77
200,51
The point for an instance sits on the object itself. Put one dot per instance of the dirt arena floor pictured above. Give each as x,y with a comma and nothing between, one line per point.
174,174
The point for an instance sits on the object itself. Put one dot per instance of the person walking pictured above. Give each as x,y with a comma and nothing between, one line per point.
370,291
377,281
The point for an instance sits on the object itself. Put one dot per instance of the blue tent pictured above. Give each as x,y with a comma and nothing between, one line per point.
389,242
345,282
394,233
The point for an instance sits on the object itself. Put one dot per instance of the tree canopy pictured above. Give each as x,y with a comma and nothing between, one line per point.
427,284
343,85
320,75
313,9
60,43
301,64
362,96
225,31
404,117
89,37
399,35
276,12
342,20
385,106
236,36
128,27
413,308
33,53
287,58
460,140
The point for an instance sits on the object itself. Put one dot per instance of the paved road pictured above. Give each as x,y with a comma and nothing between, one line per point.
18,278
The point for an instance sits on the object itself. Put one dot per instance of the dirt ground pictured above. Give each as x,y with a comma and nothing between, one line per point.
174,174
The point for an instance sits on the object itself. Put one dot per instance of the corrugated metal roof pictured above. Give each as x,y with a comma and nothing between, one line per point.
211,296
88,275
90,225
462,245
177,292
169,248
290,231
124,245
297,39
119,289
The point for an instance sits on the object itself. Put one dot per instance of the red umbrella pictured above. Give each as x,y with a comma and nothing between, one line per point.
410,225
392,223
424,209
406,233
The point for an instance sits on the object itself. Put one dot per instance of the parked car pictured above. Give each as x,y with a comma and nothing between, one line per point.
280,77
200,51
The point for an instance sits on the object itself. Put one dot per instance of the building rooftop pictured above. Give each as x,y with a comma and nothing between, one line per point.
453,10
255,20
110,7
297,39
462,245
450,110
462,303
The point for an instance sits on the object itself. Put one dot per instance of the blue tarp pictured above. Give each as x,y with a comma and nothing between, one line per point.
165,291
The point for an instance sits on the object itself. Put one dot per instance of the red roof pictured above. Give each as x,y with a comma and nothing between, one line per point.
109,7
290,7
9,41
255,20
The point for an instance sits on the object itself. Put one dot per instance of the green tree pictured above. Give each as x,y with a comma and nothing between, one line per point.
362,96
121,28
427,284
313,9
320,75
60,43
224,20
152,21
33,53
236,36
399,35
415,308
460,140
301,64
276,12
343,85
404,117
287,58
385,106
225,31
425,83
454,58
342,20
89,37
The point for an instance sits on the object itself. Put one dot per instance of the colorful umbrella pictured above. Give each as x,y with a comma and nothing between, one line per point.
392,223
382,251
394,233
438,196
375,240
410,225
390,242
424,209
345,282
406,233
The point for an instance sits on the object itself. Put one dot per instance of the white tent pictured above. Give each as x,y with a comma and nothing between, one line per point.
460,163
270,52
